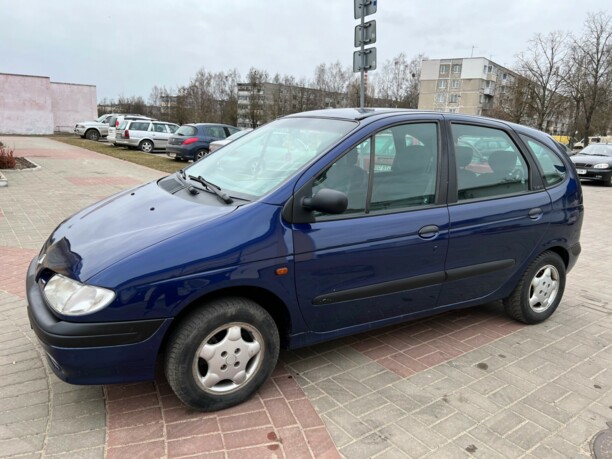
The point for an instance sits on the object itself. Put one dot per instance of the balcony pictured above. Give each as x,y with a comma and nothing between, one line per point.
490,91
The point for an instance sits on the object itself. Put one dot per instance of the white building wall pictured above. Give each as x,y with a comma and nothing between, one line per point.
472,68
71,104
25,105
34,105
430,69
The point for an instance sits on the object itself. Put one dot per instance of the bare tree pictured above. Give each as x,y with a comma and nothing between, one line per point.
256,110
593,54
398,81
542,65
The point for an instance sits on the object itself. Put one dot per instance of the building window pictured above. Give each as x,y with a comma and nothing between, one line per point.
442,84
487,69
452,110
455,84
456,68
441,98
443,69
454,98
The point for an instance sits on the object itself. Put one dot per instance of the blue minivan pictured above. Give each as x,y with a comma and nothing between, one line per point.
313,227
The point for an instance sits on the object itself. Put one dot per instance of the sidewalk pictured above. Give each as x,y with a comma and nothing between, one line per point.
466,384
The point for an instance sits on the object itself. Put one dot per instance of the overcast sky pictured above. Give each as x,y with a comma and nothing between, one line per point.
127,47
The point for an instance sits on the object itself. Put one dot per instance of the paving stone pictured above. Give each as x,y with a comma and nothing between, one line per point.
407,444
23,429
496,442
453,425
527,435
82,440
22,445
366,447
424,434
351,424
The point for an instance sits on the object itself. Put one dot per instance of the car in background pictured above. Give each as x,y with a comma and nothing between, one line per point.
220,143
594,162
144,135
192,141
115,121
93,130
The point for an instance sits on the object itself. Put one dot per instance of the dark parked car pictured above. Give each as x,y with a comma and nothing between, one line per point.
352,220
191,141
594,162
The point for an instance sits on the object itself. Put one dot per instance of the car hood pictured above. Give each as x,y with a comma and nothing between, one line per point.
107,232
590,159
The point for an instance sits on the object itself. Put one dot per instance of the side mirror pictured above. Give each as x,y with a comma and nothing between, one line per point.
327,201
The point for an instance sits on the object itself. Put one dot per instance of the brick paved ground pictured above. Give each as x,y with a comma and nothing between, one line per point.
468,383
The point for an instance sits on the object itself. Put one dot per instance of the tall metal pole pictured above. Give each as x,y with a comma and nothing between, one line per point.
362,92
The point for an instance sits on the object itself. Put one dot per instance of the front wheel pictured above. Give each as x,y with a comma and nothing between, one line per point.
539,291
146,146
92,134
221,353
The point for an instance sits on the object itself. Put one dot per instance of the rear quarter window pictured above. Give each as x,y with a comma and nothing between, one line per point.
139,126
553,169
186,130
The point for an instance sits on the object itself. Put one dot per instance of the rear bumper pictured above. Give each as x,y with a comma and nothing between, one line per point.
94,353
179,152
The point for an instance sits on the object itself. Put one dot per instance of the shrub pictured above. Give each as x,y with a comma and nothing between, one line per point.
7,160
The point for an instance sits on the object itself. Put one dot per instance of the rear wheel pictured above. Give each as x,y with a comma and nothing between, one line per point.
201,153
92,134
146,146
221,354
539,292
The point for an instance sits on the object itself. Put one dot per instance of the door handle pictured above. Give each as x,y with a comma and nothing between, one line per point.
429,232
535,213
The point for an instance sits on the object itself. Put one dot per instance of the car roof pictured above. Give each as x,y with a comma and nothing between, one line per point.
370,114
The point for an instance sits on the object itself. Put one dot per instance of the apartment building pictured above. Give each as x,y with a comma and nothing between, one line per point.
472,85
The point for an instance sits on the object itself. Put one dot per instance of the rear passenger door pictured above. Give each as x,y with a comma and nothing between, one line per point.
160,134
498,210
383,258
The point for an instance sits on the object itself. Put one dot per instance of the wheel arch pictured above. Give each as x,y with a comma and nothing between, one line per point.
562,252
264,298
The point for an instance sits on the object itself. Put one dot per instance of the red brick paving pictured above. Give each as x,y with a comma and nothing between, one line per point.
147,420
409,348
14,264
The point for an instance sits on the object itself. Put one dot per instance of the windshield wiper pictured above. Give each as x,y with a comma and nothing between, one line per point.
212,187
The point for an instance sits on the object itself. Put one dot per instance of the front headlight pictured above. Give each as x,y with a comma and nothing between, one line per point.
601,166
72,298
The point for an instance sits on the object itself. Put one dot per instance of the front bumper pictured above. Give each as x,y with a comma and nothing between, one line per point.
94,353
600,175
80,131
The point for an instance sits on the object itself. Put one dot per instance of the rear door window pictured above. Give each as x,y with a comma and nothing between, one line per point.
488,163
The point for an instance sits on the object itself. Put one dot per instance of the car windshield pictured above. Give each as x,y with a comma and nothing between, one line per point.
597,150
101,118
237,135
257,163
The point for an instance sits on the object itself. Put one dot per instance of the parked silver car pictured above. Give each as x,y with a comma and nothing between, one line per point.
144,135
93,130
115,121
220,143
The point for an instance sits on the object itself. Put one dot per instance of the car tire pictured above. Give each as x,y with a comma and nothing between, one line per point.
608,181
539,292
146,146
92,134
221,354
200,154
